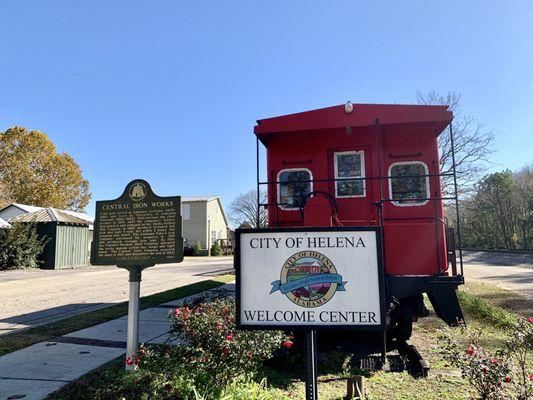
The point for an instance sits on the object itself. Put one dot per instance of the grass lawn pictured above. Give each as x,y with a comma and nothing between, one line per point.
488,309
16,341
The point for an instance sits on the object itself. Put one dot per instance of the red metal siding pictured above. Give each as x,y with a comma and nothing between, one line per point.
413,243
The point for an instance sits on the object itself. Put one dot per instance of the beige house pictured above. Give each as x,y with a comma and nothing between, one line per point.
204,220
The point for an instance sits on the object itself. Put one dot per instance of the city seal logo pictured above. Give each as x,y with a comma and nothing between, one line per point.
138,191
309,279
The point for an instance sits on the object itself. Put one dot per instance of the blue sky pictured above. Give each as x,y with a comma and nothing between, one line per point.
169,90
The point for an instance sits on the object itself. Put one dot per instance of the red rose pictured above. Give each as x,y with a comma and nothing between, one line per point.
531,377
494,361
287,344
250,354
177,311
136,361
229,337
225,310
507,379
485,370
530,319
128,361
226,351
471,350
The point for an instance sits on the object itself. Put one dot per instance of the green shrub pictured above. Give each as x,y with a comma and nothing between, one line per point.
214,349
197,248
216,250
20,247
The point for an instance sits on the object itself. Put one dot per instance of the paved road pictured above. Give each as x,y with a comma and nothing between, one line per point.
35,297
509,271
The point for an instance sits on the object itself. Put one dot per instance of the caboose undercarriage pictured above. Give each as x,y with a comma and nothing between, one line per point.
406,302
372,165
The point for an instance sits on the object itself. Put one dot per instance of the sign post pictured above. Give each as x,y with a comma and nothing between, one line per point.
311,370
310,279
137,231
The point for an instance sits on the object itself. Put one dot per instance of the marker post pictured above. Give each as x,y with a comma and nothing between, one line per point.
132,344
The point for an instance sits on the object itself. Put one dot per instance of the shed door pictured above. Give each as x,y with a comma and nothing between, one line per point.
348,168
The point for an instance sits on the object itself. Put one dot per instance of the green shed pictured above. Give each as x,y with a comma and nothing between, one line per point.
68,238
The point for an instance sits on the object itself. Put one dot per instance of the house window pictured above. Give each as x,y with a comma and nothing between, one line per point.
186,211
293,187
349,164
409,183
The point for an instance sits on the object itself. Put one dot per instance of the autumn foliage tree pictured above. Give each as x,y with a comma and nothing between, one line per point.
32,172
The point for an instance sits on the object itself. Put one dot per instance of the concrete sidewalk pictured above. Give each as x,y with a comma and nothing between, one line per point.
39,370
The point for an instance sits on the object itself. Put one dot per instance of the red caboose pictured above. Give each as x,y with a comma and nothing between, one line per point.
371,165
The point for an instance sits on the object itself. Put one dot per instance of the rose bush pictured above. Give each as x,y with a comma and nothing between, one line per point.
487,373
214,349
499,375
518,345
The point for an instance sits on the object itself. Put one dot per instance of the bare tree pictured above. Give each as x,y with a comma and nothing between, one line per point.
244,210
472,144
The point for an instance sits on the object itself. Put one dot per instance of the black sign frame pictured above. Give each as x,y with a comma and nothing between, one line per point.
127,198
381,327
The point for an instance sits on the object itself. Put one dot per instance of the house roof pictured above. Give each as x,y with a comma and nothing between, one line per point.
24,207
4,224
198,198
362,115
49,215
29,209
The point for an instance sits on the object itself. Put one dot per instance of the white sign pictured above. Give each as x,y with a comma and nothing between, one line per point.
309,278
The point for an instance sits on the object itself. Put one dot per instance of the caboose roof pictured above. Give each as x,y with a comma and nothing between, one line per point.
363,115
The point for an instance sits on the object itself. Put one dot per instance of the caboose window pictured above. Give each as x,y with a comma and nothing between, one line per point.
409,183
293,187
349,164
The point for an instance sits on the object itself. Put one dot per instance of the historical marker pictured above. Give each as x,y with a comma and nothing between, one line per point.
138,228
136,231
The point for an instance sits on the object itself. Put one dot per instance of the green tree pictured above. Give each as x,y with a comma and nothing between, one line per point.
32,172
499,213
525,193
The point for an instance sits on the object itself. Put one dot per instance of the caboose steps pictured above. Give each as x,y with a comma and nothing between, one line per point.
411,285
